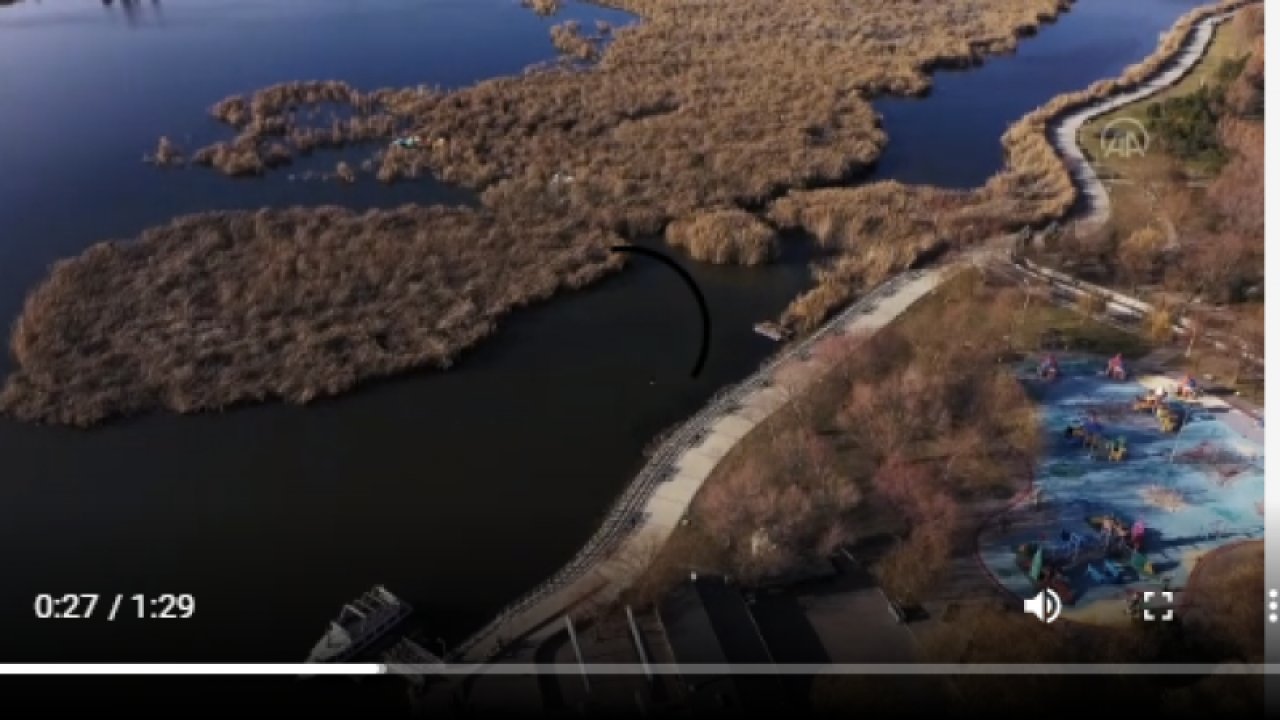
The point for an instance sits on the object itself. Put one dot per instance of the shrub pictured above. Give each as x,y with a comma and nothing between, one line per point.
699,106
1160,323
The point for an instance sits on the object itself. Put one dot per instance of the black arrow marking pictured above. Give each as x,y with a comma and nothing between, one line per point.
693,286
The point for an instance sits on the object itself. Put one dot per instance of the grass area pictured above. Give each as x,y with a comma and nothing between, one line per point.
1032,321
1227,45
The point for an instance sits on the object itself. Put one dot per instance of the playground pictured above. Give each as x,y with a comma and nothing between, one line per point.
1140,477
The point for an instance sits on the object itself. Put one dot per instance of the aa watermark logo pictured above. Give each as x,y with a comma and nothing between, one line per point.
1125,138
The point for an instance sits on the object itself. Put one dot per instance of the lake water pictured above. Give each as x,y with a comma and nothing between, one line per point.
457,490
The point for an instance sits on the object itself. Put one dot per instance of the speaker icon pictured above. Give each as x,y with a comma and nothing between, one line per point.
1046,606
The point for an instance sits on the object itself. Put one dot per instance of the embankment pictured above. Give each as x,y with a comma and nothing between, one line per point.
651,507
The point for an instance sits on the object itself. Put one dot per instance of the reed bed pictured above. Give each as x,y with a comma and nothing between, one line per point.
706,104
222,308
725,236
700,107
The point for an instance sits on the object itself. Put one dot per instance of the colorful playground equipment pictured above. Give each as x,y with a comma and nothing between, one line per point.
1118,536
1188,389
1142,564
1117,450
1170,418
1137,535
1149,402
1090,434
1111,556
1115,368
1108,571
1046,573
1049,368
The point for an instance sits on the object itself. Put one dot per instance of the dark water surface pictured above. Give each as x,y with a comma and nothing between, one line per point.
457,490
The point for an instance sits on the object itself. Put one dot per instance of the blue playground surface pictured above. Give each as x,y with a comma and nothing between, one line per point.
1097,528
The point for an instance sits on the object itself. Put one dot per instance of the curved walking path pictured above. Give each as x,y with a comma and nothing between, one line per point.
1065,135
654,504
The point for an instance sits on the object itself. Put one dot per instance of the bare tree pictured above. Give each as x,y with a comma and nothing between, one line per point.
1139,255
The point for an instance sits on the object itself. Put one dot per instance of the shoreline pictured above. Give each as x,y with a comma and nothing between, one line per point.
481,645
654,502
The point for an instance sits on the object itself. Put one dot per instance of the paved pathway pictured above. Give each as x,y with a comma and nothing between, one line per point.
1066,134
653,506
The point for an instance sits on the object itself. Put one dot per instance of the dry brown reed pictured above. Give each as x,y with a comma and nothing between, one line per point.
221,308
725,236
712,103
166,154
568,38
700,106
545,8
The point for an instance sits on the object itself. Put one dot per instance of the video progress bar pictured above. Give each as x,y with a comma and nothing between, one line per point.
313,669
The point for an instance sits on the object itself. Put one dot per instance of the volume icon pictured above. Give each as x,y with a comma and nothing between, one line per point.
1046,606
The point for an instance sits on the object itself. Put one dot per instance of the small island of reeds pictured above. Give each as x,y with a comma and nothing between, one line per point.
222,308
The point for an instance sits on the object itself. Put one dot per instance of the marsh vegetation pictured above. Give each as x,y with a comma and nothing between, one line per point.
222,308
545,8
691,122
725,236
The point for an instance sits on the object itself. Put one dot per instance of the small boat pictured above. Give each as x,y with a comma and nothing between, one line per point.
361,622
772,330
408,142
